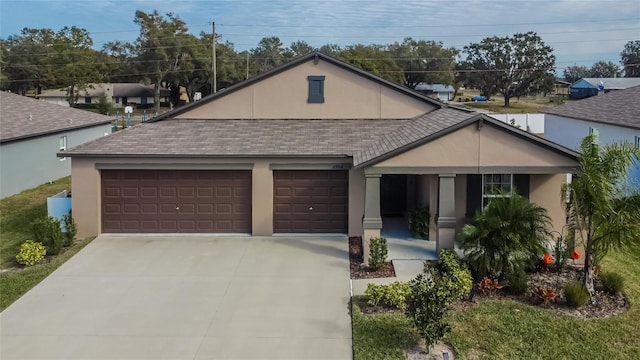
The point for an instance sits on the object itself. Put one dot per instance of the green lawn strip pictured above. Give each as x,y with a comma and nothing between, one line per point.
16,283
17,212
496,329
381,336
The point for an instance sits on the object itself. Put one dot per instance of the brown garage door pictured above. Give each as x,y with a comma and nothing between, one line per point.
180,201
310,201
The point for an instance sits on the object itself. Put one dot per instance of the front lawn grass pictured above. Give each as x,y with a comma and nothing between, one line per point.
17,212
14,284
510,330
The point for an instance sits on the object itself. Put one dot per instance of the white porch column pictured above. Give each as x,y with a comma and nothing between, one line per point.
446,220
372,222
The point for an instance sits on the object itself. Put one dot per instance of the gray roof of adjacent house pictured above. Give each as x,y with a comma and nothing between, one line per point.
439,88
22,117
119,90
621,107
611,83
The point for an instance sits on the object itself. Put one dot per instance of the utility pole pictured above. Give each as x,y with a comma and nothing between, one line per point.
247,65
214,85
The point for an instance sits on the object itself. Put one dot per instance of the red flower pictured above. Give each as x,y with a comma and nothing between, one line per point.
575,254
547,259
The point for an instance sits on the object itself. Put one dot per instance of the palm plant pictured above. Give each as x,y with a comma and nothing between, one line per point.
508,233
606,214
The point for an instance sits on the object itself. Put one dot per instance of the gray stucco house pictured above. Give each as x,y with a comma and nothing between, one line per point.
614,116
32,132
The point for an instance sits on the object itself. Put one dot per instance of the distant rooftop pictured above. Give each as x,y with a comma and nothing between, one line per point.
440,88
119,90
611,83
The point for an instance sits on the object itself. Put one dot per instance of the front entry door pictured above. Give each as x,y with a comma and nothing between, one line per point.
393,195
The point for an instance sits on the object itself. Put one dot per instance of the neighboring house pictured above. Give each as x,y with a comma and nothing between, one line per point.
120,94
587,87
313,146
614,117
562,88
438,91
32,132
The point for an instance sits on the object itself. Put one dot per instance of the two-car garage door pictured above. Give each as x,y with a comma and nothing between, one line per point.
180,201
219,201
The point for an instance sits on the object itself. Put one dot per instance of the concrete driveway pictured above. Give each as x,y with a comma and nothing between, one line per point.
188,297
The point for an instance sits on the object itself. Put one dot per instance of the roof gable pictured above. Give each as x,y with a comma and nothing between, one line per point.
433,127
242,89
22,117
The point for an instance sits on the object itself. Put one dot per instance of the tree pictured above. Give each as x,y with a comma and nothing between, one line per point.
161,47
332,50
269,54
424,61
575,73
27,58
607,215
374,59
605,69
73,60
630,58
512,66
501,239
299,48
118,63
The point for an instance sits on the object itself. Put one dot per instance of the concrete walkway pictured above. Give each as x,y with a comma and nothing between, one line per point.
188,297
407,254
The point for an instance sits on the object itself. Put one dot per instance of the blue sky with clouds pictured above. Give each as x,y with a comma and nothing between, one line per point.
580,31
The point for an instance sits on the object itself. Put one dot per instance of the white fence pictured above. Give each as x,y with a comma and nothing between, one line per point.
533,122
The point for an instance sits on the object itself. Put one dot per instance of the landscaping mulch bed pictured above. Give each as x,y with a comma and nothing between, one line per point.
603,306
358,269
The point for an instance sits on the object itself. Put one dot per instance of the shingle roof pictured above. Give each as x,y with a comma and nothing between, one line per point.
620,107
435,87
267,137
613,83
22,117
414,130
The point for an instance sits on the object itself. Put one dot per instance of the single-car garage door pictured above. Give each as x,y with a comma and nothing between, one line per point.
310,201
180,201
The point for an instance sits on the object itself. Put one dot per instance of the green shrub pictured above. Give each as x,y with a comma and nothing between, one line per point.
393,295
505,236
576,294
561,254
30,253
47,231
518,282
377,252
612,283
452,272
70,229
419,222
428,309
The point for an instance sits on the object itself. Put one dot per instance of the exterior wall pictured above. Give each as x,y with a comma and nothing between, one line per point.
356,201
86,200
467,150
544,190
57,100
284,96
262,199
32,162
570,132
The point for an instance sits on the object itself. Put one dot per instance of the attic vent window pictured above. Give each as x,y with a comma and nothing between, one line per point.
316,89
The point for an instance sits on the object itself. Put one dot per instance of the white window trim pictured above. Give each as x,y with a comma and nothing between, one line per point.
492,196
62,145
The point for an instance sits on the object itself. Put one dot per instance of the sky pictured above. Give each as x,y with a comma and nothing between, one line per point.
581,32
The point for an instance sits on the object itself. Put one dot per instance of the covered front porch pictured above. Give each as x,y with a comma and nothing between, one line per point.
454,175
